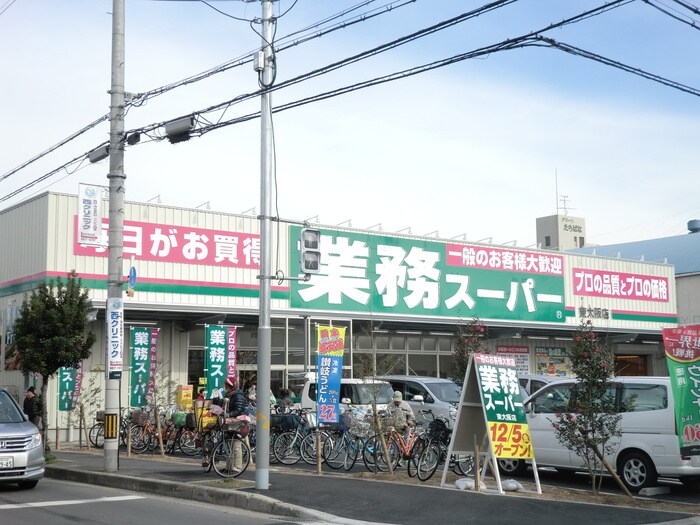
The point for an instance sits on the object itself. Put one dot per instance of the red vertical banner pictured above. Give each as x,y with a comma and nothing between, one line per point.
232,353
153,361
78,384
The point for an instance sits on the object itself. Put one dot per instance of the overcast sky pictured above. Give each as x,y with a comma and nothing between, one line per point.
480,147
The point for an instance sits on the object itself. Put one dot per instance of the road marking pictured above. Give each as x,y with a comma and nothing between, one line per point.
67,502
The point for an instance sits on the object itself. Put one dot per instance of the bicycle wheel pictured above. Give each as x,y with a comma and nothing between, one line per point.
97,435
140,439
334,451
352,452
463,464
190,442
307,447
368,453
428,461
231,457
208,446
416,451
382,461
287,448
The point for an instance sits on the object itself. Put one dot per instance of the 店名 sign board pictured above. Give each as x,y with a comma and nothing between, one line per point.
363,272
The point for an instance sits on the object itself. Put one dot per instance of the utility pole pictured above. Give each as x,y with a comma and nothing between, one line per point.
262,458
115,248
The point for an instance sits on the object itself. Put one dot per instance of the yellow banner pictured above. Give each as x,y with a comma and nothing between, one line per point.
511,440
331,340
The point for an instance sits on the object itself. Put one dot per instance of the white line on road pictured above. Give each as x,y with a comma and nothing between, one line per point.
67,502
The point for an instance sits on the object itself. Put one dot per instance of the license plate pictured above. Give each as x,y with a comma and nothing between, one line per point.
7,462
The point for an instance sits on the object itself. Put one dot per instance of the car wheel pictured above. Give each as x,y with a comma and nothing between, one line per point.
512,467
29,484
637,471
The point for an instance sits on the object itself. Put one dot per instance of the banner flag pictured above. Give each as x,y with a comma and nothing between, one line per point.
331,345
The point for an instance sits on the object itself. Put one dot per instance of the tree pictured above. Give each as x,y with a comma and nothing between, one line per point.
52,332
470,340
591,423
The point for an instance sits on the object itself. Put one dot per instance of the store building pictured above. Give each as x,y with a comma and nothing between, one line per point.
401,297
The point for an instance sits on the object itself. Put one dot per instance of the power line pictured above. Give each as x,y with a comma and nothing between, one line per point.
624,67
530,39
141,98
681,18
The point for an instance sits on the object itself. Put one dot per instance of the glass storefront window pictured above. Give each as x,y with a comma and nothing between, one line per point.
388,364
382,342
447,368
444,344
413,342
398,342
363,342
422,365
429,344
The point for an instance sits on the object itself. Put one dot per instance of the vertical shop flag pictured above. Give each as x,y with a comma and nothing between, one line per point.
221,349
682,346
153,358
69,382
140,365
331,345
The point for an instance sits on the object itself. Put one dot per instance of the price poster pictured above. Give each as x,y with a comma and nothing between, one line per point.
505,415
683,357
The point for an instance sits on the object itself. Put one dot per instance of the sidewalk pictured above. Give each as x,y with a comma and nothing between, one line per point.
337,498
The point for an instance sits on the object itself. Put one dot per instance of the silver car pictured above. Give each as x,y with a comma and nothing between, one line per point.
21,450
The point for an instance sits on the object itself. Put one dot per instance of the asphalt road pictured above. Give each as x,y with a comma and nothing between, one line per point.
63,503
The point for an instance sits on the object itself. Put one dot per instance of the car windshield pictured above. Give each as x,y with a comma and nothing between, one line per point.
446,391
368,391
9,412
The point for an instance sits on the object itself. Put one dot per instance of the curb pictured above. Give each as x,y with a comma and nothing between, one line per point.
215,496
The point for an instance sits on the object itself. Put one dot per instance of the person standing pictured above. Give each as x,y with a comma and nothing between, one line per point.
237,404
31,406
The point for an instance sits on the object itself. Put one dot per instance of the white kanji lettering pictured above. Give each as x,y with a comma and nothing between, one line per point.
392,274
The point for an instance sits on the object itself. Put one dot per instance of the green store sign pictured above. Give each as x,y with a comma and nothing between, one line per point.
378,274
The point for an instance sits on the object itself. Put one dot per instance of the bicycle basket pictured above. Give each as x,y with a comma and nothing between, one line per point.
437,428
100,416
237,426
284,421
139,417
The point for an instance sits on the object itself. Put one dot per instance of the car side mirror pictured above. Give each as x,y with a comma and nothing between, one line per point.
417,398
346,401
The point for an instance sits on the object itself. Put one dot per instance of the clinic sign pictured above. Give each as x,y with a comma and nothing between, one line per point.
376,274
682,346
115,337
505,415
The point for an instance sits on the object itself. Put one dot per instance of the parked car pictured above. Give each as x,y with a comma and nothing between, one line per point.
441,396
532,383
359,392
21,450
647,448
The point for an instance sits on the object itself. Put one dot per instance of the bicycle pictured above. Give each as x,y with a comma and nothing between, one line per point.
231,455
435,452
397,449
96,434
300,443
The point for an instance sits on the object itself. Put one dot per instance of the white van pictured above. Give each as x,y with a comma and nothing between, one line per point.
648,447
360,393
439,395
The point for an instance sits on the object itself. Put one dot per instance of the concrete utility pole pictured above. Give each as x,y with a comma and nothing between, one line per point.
116,229
262,458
